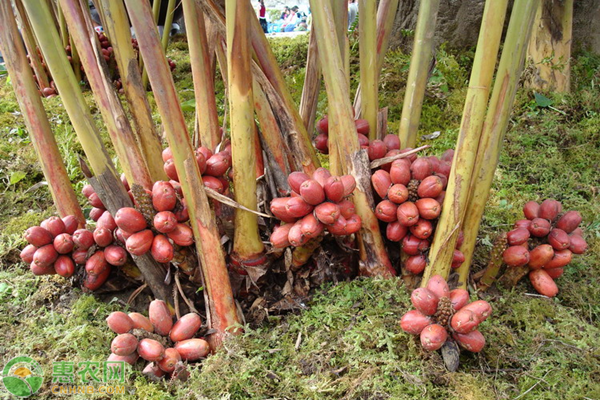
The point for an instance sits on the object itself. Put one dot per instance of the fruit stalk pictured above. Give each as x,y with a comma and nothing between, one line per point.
420,64
204,88
116,25
117,124
220,304
369,73
374,258
35,116
457,191
496,121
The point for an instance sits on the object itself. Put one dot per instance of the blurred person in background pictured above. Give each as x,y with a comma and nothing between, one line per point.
262,16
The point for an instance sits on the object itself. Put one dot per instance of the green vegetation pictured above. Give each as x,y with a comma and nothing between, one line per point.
347,343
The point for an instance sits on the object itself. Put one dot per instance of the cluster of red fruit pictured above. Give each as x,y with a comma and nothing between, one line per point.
156,227
412,190
213,167
545,242
164,344
317,204
442,313
57,246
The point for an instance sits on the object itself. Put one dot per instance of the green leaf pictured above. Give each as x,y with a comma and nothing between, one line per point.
189,105
17,177
542,100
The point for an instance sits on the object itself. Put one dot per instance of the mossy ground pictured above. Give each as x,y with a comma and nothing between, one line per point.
347,343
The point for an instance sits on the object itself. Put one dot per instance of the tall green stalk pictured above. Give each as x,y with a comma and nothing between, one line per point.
386,15
367,29
167,26
220,305
35,116
496,120
418,72
374,258
458,190
247,245
204,88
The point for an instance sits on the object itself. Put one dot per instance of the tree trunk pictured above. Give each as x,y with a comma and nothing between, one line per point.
550,46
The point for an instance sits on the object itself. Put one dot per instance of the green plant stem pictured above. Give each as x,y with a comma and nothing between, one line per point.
247,244
367,28
386,15
204,88
418,72
497,118
457,192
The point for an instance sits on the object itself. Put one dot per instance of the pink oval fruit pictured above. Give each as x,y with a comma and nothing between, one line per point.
192,349
428,208
124,344
130,220
150,350
398,193
559,239
515,256
433,337
45,256
543,283
164,197
38,236
312,192
424,300
64,243
170,360
531,210
186,327
160,316
279,237
54,225
438,286
569,221
472,341
386,211
162,250
540,256
381,182
415,264
395,231
182,235
459,298
140,242
408,213
119,322
431,186
165,221
414,322
27,253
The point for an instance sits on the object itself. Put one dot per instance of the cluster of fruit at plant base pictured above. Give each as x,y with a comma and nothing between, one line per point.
545,242
108,55
213,167
412,191
317,204
158,224
164,344
442,314
56,246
